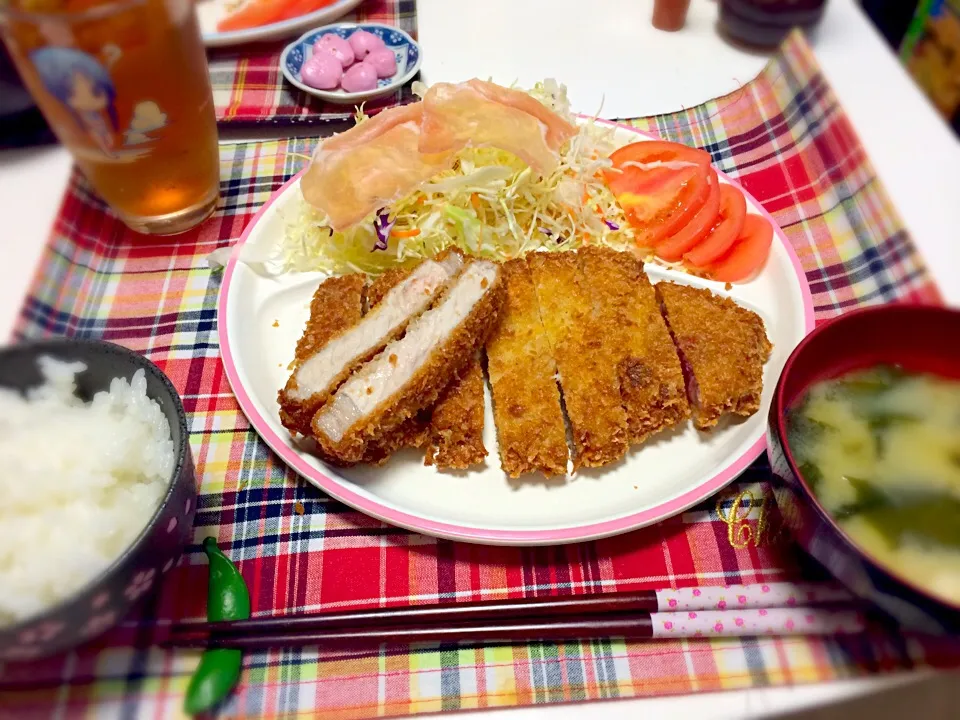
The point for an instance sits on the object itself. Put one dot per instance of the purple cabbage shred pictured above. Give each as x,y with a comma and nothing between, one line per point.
612,225
383,225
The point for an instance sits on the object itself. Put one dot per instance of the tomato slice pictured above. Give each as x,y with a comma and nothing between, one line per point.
673,247
748,254
733,211
660,185
669,156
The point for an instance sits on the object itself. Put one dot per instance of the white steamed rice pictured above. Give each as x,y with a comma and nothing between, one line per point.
78,483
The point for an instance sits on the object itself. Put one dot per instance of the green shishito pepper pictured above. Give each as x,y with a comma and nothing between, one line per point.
227,599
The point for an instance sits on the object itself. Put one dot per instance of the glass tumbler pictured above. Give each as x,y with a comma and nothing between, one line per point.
125,87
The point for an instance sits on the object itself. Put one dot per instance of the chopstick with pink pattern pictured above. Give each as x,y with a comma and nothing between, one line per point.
756,595
732,610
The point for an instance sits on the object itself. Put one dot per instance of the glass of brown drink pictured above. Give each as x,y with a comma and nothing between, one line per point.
125,87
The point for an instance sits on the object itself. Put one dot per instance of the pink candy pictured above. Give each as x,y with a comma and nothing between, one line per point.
363,43
340,48
322,71
383,61
359,77
353,64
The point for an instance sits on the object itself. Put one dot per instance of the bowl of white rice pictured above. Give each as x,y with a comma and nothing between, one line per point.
97,493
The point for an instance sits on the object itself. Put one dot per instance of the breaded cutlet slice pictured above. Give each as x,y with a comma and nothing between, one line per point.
585,364
336,307
531,433
651,380
452,431
379,287
722,347
318,374
411,372
413,432
455,433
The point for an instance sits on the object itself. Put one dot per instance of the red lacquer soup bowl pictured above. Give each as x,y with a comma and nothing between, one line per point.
916,337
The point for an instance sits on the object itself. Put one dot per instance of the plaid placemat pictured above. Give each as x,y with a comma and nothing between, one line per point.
787,140
250,90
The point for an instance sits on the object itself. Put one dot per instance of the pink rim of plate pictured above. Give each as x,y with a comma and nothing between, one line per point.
594,531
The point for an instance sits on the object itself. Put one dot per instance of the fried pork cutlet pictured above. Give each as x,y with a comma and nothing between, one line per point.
722,347
413,432
452,431
526,401
455,434
651,380
410,373
318,374
336,307
585,362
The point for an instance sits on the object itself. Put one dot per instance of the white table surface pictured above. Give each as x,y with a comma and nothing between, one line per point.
915,154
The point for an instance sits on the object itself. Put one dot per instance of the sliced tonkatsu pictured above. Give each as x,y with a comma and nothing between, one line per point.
578,345
337,306
531,433
722,347
586,362
411,372
452,431
318,374
454,437
651,380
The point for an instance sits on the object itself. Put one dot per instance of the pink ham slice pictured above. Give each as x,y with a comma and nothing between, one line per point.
369,166
479,114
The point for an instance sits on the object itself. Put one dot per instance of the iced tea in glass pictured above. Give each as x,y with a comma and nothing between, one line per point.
125,87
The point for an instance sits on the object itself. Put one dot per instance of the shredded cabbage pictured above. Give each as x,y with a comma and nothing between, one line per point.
490,204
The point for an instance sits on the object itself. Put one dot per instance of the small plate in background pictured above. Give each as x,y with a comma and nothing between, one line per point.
405,49
210,12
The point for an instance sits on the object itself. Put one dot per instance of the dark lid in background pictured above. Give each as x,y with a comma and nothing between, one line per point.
21,123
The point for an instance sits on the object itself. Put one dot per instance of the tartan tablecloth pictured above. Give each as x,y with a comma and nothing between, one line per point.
250,90
785,137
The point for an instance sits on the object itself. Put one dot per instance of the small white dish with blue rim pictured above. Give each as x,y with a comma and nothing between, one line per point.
405,49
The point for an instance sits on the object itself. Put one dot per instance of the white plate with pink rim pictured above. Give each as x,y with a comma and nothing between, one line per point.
260,320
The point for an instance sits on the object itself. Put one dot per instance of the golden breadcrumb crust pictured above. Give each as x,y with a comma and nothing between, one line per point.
723,346
452,432
336,307
651,380
423,389
531,433
584,359
455,436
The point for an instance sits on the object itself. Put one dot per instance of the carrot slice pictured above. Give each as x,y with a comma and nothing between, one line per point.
694,231
733,211
412,232
749,252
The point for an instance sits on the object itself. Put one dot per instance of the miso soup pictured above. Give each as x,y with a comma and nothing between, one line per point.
880,449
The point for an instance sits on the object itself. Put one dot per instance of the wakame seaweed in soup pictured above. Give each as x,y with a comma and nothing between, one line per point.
880,448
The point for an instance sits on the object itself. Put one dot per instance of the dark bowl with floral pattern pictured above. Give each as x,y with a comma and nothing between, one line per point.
918,338
104,600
